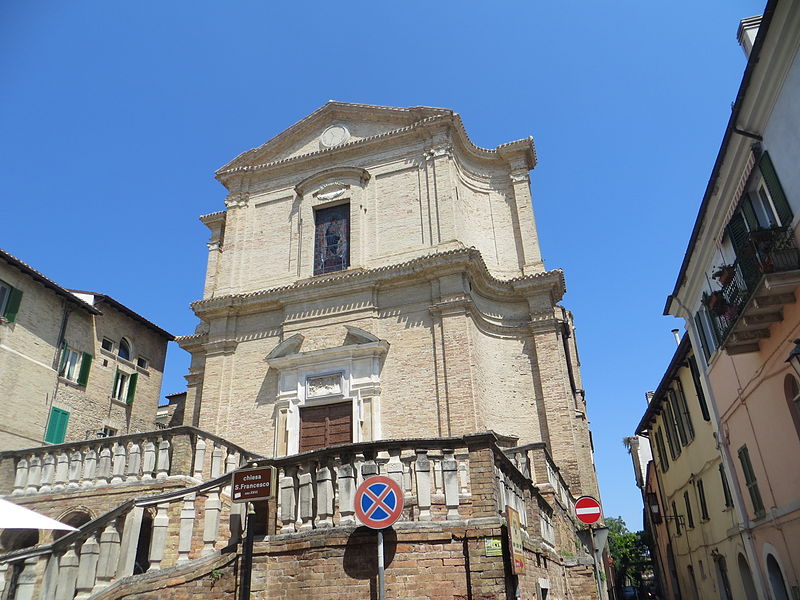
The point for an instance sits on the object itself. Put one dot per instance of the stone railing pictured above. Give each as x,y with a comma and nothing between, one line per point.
535,462
444,479
123,459
113,546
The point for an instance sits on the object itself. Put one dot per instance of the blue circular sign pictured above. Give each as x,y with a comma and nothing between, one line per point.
379,502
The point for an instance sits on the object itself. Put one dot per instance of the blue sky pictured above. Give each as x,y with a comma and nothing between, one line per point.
114,116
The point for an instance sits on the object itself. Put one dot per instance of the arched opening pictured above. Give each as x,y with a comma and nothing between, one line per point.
747,578
142,563
16,539
76,518
776,580
723,583
791,391
124,349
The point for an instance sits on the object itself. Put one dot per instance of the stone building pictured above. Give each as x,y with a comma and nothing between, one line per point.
75,365
375,303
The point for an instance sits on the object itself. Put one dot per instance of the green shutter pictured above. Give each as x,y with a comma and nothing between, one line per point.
701,332
57,426
775,189
114,384
86,365
132,387
12,307
63,361
699,388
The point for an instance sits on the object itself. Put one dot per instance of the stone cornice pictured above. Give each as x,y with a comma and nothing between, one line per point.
424,268
518,151
351,351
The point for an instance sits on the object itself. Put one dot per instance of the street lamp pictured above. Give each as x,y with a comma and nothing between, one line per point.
794,357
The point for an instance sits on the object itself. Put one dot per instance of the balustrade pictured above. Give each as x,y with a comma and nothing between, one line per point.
316,490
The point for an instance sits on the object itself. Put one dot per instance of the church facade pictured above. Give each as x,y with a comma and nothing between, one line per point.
375,303
378,276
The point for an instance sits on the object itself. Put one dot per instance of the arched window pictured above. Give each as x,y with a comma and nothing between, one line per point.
75,518
776,580
747,578
791,389
124,349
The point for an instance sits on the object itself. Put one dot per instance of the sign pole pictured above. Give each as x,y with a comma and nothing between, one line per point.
381,584
594,558
247,554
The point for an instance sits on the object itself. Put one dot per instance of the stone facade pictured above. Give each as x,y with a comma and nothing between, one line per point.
445,280
53,361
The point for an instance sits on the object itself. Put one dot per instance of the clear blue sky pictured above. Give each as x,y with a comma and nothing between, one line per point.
114,116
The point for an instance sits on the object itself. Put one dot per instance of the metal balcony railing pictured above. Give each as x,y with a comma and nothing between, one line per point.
766,251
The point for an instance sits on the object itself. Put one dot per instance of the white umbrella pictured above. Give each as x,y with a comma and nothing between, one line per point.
14,516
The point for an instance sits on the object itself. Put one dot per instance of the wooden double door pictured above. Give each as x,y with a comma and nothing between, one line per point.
326,425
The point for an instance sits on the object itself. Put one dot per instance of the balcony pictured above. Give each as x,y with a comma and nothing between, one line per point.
766,273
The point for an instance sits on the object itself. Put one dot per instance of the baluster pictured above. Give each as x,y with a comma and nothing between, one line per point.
20,477
288,502
217,457
463,474
408,474
34,475
134,462
62,471
187,526
163,462
148,459
130,542
450,476
104,466
422,469
87,571
199,458
236,521
109,557
159,539
324,496
3,570
49,578
67,574
211,521
231,464
369,468
436,471
305,497
347,491
358,460
48,472
118,466
89,468
75,469
27,579
501,489
394,468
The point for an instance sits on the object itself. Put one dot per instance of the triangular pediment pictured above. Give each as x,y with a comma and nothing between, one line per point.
333,124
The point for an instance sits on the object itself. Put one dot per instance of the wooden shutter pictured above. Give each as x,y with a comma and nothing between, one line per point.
57,426
86,365
12,306
775,189
699,388
131,388
323,426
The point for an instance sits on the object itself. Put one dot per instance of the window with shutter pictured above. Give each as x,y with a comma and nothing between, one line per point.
750,481
10,299
698,388
56,426
131,388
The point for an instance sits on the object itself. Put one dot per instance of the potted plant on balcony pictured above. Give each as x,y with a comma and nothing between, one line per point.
724,274
716,303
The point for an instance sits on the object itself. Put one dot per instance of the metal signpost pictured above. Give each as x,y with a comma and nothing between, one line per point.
379,503
588,510
249,484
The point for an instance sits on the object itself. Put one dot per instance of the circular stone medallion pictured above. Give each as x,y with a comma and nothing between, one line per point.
334,135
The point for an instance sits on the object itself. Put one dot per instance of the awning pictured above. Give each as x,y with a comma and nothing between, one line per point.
14,516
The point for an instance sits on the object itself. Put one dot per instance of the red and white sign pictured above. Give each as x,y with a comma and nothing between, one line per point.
379,502
587,509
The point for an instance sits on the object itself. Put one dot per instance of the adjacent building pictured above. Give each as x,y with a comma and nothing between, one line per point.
74,365
737,293
688,506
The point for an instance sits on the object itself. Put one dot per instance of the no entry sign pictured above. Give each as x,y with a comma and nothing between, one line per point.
379,502
587,509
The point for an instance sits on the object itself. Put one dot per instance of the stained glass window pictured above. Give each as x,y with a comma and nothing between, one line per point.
332,239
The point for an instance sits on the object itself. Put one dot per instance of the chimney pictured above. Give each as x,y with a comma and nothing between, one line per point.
649,396
748,28
675,332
